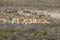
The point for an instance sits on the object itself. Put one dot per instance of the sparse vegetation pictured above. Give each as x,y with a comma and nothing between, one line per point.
35,31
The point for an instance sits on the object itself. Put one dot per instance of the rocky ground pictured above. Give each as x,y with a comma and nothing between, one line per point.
16,8
20,31
30,31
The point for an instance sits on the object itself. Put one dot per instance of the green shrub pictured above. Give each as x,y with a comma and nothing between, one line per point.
34,34
3,32
45,32
40,35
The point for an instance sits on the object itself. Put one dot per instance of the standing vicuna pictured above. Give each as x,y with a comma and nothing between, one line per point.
15,21
2,20
41,21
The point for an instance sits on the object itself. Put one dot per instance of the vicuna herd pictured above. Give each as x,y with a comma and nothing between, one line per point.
24,20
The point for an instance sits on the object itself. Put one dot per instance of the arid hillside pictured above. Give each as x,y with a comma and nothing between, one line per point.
39,3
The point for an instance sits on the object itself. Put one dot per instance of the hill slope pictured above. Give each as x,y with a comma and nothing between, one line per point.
30,3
